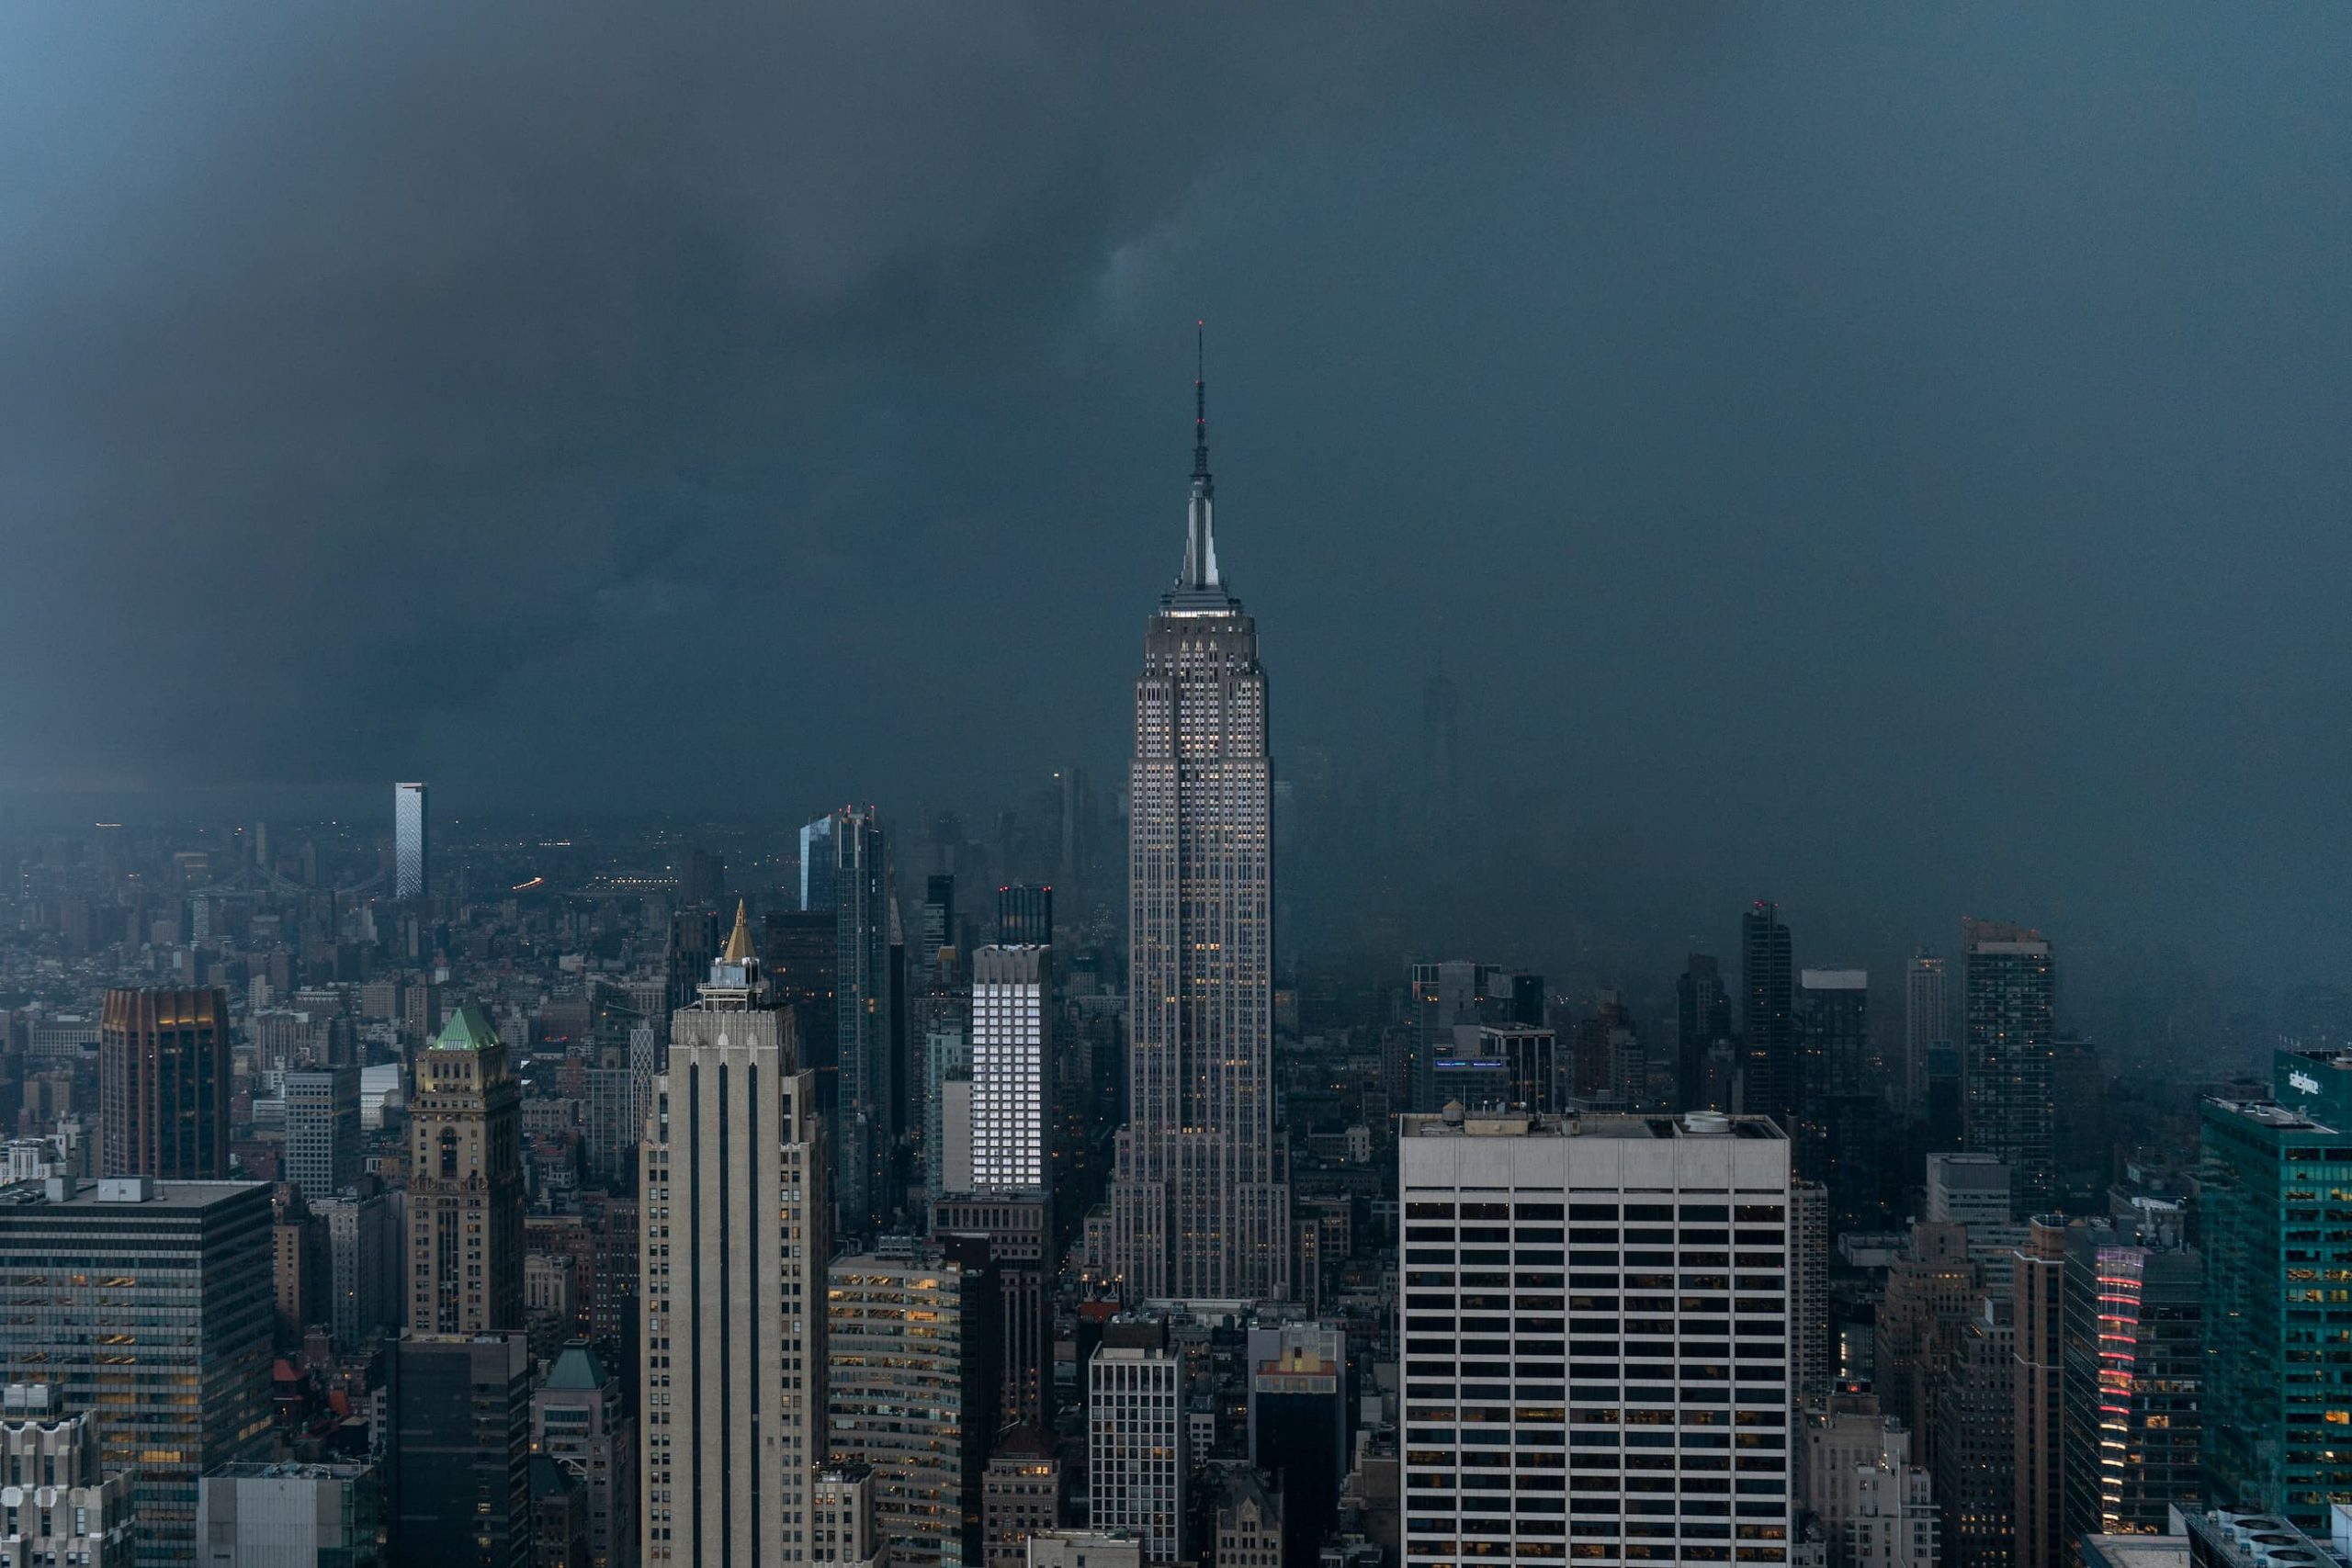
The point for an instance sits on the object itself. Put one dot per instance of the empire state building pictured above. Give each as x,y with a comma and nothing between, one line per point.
1200,1193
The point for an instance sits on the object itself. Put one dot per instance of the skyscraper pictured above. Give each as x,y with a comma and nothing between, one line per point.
816,866
1024,915
1645,1406
737,1231
1012,1069
322,1130
913,1392
865,1121
1136,1466
2276,1252
410,848
457,1475
1702,1010
175,1365
580,1420
1768,1015
1927,1021
2007,1109
163,1084
1201,1199
465,1185
2134,1367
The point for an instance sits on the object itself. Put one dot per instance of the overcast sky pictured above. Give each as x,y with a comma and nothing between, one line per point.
1895,454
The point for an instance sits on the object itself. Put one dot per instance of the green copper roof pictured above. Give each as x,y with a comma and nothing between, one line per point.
576,1367
467,1029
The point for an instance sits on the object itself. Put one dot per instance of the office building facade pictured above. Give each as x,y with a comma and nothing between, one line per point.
1596,1332
251,1514
1024,915
2272,1241
322,1130
2007,1059
181,1270
912,1394
1012,1070
165,1084
458,1467
1136,1450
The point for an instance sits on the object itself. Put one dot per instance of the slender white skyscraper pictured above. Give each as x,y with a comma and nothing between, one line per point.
1201,1200
408,845
733,1250
1011,1068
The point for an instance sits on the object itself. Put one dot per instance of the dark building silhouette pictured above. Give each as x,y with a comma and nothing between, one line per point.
458,1469
1767,1017
1025,915
1702,1017
800,960
1298,1429
163,1084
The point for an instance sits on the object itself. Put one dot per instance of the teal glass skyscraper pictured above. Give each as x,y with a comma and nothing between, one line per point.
2278,1245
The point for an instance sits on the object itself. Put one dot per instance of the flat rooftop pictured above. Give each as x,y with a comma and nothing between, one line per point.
1702,1125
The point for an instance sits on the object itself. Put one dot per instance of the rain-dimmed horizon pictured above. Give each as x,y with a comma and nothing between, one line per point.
1889,460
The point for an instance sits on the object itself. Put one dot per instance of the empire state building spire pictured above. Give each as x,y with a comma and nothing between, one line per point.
1198,589
1200,1191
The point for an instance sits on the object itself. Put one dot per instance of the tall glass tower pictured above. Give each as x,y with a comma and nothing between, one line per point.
1201,1199
408,840
2277,1239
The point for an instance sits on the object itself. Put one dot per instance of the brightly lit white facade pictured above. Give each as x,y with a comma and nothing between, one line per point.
1011,1068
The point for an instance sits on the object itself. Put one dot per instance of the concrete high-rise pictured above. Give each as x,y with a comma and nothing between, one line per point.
2007,1059
736,1234
1012,1068
163,1084
1768,1057
1200,1199
251,1514
59,1508
411,868
322,1130
1642,1412
176,1367
1137,1467
465,1183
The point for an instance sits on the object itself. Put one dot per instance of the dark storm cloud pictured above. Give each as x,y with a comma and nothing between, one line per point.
357,357
1891,457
